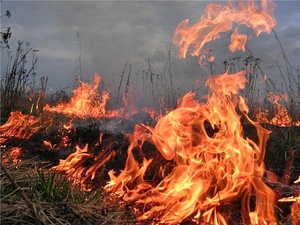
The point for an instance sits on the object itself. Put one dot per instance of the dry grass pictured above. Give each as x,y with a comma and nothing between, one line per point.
22,203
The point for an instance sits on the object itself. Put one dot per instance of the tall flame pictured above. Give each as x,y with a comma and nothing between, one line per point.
211,170
214,163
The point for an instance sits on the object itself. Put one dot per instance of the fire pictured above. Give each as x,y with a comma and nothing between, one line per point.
13,156
295,207
214,165
219,19
70,165
20,126
211,170
281,116
73,165
86,101
262,116
238,41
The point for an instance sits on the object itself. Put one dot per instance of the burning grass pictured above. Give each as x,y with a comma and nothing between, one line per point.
200,163
53,198
64,183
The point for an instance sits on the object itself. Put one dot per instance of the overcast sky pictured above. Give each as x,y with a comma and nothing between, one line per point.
115,32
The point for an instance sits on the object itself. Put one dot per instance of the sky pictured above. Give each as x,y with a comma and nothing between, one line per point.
113,33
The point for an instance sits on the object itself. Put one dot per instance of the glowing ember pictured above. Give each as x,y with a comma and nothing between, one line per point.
209,171
219,19
262,116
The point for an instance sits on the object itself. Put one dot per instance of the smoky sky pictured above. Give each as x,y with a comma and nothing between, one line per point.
115,32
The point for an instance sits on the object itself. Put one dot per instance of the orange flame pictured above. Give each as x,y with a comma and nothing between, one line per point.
19,126
295,207
238,41
73,165
13,156
210,170
86,101
262,116
219,19
282,117
70,164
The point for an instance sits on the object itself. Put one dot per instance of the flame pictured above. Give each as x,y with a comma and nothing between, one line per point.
215,165
281,118
210,170
155,114
262,116
73,165
13,156
133,173
86,101
238,41
295,207
298,180
20,126
219,19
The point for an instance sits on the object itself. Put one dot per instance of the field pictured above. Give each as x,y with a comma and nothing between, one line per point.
150,152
